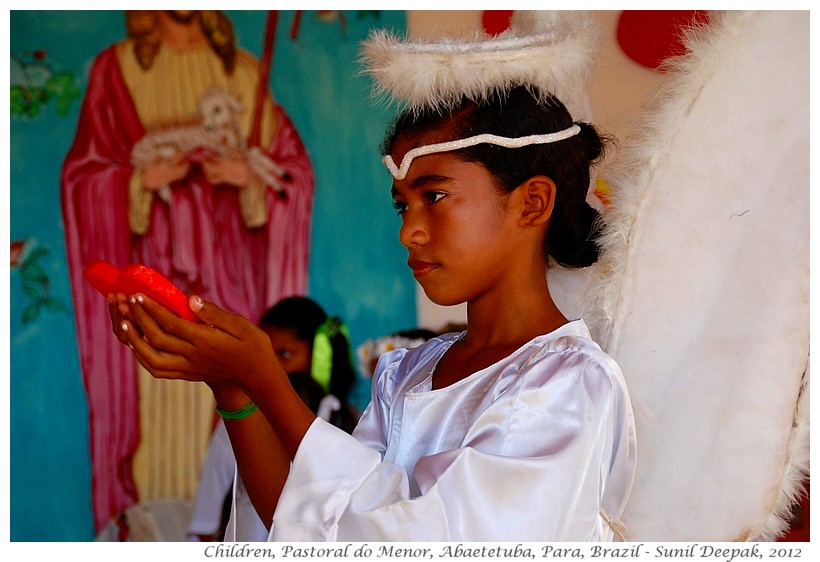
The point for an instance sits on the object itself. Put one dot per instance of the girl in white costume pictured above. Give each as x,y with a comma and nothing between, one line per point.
518,429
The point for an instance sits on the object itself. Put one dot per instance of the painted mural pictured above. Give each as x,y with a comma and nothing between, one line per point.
35,83
174,147
177,166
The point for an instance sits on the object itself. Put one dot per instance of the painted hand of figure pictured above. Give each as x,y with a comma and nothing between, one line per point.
162,172
230,169
226,350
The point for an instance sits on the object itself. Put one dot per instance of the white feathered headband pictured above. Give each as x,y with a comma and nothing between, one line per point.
551,52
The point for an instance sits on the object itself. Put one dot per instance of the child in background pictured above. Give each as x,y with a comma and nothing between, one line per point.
518,428
300,332
314,349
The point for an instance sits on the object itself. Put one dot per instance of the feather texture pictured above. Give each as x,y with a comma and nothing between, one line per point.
551,52
701,290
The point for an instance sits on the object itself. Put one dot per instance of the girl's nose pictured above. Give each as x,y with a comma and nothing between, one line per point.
413,231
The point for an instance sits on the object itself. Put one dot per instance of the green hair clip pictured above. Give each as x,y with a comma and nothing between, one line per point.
322,359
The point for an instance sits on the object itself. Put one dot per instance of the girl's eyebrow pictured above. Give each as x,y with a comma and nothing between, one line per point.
423,181
429,179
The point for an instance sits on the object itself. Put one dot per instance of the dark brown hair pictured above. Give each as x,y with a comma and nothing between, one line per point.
142,27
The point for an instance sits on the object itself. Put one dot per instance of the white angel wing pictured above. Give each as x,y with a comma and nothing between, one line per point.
703,295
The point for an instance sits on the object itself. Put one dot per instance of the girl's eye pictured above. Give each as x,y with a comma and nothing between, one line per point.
434,196
430,196
399,206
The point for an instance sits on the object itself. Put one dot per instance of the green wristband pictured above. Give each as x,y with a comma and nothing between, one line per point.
243,412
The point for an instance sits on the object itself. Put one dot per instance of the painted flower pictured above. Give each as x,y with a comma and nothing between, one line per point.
17,248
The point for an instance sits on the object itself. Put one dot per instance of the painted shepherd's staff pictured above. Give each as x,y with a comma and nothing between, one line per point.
262,90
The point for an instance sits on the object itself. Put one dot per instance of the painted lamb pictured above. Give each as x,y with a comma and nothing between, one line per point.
215,132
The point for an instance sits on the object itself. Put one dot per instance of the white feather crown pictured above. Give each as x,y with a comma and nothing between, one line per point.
550,52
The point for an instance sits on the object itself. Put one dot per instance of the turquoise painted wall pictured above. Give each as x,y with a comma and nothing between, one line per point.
357,268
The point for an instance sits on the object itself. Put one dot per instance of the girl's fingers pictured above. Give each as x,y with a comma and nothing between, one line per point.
222,349
198,345
118,310
159,363
158,325
231,324
116,320
217,327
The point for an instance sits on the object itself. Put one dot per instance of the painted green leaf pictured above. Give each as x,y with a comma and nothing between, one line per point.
17,100
33,272
54,304
32,291
36,254
31,312
65,90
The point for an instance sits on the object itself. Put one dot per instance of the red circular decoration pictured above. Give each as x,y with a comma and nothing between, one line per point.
650,36
496,21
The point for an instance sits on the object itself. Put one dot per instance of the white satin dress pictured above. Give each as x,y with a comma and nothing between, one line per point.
539,447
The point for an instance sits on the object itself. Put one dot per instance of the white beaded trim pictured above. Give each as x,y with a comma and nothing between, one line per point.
400,172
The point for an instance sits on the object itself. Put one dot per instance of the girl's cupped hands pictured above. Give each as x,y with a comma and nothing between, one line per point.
225,349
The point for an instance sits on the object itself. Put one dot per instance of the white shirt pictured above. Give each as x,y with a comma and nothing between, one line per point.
539,446
219,476
215,482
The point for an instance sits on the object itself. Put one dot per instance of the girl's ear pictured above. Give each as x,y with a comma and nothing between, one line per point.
537,200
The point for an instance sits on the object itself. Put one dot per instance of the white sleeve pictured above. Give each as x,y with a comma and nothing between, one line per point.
540,464
219,478
244,524
215,483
